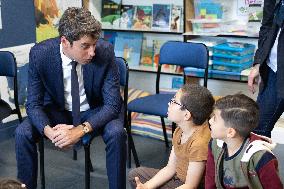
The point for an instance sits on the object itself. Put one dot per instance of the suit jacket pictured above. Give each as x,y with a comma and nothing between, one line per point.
45,83
267,35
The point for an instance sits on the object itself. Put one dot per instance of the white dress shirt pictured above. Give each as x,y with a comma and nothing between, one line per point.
66,67
272,61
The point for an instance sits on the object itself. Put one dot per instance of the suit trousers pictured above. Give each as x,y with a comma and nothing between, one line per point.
270,106
113,135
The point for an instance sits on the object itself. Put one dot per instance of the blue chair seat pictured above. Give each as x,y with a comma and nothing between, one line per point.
154,104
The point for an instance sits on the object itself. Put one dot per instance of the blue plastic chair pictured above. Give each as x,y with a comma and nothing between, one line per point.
8,68
177,53
87,139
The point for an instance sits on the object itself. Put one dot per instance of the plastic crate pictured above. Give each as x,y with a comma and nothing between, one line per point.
234,49
195,72
232,59
225,75
231,67
211,9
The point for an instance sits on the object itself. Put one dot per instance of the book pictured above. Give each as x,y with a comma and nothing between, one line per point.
142,17
176,18
126,18
128,45
161,17
111,10
147,52
157,44
110,36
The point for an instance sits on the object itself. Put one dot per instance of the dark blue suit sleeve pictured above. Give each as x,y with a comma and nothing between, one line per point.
35,96
110,91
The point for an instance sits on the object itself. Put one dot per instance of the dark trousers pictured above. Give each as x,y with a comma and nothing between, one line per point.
270,105
113,135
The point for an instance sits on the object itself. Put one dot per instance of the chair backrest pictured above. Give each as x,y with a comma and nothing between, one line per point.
8,66
184,54
124,75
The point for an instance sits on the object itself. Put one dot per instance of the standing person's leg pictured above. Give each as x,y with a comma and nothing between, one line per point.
145,174
270,106
26,137
114,137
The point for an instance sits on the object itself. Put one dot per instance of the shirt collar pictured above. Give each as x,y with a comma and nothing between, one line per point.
66,61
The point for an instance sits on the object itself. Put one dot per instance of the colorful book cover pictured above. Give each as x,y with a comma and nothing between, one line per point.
110,36
128,45
176,18
126,19
147,52
142,17
157,44
161,17
111,10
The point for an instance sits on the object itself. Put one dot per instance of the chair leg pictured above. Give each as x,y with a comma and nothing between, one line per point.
41,160
131,146
165,132
74,154
87,166
91,165
174,126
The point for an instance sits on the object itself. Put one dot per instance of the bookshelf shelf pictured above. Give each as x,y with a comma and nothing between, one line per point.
143,31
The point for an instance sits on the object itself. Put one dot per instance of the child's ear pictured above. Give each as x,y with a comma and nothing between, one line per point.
187,115
231,132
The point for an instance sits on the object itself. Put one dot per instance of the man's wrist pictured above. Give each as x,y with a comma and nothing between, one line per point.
86,127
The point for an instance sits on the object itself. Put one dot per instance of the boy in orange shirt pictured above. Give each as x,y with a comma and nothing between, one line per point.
190,110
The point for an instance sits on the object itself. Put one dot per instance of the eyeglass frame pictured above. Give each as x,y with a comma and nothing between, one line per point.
173,101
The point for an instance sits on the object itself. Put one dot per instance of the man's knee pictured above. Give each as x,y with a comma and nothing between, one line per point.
117,131
24,131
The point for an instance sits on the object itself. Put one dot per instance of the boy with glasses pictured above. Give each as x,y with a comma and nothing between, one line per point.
189,109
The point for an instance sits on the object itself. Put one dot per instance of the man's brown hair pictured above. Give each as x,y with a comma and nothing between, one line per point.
78,22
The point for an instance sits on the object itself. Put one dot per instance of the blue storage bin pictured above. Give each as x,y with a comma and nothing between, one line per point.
234,49
225,75
232,59
195,72
230,67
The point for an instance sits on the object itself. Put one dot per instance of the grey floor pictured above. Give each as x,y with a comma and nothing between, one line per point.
63,172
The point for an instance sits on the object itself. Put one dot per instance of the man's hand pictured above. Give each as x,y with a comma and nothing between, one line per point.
139,185
49,132
66,135
254,74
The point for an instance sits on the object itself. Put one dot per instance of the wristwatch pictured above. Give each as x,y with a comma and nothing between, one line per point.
85,128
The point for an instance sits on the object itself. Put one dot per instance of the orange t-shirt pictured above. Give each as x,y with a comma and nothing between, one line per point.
194,149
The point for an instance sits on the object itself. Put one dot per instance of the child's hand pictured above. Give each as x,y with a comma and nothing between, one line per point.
139,185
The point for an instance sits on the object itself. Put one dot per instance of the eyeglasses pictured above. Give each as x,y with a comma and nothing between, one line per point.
173,101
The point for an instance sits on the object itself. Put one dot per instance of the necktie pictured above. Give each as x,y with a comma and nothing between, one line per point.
75,95
280,14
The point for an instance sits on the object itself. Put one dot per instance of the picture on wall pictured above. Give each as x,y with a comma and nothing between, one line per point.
47,15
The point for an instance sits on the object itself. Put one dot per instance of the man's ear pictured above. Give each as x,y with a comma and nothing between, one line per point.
187,115
231,132
65,43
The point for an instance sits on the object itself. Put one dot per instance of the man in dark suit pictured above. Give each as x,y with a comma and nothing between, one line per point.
269,64
73,89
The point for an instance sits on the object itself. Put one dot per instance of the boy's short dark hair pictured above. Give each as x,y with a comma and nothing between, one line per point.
239,112
198,101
